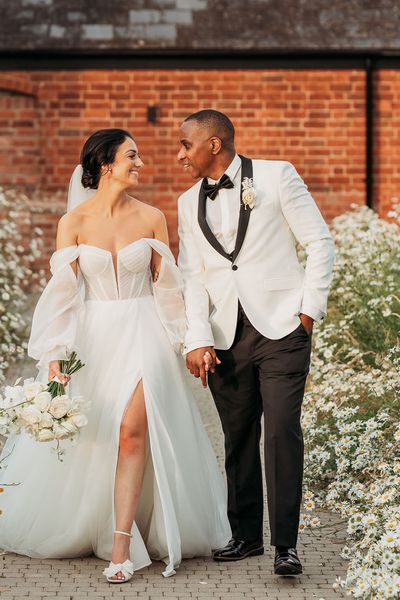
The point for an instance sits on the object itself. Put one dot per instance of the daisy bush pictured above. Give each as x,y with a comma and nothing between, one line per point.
16,275
351,409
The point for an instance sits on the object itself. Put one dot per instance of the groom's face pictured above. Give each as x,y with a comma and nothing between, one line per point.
195,154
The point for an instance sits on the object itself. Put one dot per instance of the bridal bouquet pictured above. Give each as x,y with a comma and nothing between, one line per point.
44,411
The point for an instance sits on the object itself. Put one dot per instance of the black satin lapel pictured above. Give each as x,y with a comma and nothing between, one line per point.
244,213
204,226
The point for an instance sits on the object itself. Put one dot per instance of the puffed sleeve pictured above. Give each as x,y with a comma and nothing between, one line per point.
168,296
55,317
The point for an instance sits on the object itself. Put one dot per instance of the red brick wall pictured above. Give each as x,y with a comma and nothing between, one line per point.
387,140
313,118
19,132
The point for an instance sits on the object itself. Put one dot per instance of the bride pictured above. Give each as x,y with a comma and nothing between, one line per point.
142,481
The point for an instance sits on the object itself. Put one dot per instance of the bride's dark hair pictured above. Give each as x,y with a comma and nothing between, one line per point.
99,150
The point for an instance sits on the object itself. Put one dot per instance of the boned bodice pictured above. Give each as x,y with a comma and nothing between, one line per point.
132,279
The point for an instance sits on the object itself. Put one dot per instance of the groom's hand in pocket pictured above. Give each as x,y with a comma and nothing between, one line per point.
307,322
199,365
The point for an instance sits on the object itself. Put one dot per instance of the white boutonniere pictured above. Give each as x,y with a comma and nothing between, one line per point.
249,193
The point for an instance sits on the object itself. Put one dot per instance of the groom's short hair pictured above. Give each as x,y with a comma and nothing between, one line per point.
217,122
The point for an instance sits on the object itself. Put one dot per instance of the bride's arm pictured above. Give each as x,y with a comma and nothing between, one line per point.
66,236
167,284
160,232
56,314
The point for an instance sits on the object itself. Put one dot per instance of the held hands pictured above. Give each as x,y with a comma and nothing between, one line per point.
54,371
202,360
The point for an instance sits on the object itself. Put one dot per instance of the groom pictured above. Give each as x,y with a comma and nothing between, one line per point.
251,306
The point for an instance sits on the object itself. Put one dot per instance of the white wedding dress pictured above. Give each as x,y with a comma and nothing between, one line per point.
125,328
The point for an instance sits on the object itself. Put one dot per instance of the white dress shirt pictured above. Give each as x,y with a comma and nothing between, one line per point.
222,214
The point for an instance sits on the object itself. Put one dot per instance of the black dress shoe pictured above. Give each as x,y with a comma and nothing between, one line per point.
231,543
238,550
287,562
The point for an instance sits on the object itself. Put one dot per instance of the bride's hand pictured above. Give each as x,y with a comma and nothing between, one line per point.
209,363
196,363
54,371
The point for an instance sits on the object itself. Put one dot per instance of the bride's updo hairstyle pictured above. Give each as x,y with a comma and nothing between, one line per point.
99,150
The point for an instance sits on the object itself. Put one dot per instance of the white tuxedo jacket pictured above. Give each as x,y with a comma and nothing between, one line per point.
265,275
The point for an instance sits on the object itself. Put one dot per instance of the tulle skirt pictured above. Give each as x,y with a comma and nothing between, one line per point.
67,509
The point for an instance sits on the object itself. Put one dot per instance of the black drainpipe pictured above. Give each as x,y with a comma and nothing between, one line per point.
369,134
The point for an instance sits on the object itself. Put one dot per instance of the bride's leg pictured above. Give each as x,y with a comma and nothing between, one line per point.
129,473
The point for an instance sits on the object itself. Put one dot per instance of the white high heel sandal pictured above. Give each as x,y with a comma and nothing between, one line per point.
126,568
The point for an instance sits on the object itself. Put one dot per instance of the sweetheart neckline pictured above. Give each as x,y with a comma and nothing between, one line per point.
110,251
165,254
150,241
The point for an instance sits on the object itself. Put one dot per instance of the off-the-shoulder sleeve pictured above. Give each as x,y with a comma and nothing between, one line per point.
55,317
168,296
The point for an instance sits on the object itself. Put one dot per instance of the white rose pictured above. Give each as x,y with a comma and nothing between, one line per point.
13,395
69,427
33,388
74,410
43,400
78,420
45,435
248,192
249,197
30,415
59,431
59,406
46,420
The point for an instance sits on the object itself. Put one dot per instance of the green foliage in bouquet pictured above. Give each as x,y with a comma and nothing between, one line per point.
67,367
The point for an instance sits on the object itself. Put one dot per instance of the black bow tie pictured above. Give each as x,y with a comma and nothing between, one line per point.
212,190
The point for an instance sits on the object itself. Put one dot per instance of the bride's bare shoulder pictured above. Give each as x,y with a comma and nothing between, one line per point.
70,220
155,221
152,214
68,229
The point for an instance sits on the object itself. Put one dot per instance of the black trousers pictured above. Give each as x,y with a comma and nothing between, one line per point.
257,376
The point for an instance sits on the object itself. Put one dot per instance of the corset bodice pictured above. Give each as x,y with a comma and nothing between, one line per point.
131,278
